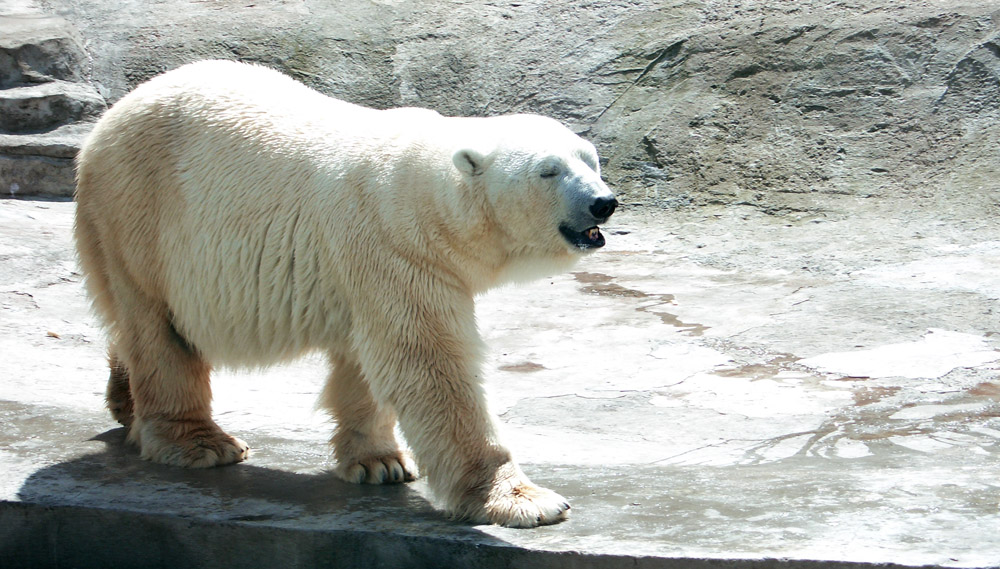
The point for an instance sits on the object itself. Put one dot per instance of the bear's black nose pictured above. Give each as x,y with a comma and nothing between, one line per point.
603,207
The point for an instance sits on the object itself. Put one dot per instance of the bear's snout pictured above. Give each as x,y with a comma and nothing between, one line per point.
603,207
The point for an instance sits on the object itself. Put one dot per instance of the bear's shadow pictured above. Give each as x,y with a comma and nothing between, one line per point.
117,479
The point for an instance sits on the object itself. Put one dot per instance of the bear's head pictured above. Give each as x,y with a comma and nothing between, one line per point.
543,183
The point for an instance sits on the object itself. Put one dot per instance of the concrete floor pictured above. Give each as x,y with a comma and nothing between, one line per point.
713,389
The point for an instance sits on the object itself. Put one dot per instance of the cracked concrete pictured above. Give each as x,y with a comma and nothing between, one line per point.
716,384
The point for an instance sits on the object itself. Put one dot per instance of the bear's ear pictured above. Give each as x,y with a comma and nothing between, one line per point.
470,161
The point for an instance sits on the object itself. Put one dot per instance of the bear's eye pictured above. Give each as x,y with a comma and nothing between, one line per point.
550,172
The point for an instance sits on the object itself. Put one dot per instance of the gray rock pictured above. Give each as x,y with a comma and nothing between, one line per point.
37,48
804,106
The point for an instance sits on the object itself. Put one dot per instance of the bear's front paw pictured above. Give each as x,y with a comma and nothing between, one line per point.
191,444
512,500
380,469
526,506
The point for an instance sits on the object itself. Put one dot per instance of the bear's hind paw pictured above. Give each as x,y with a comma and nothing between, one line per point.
386,469
191,444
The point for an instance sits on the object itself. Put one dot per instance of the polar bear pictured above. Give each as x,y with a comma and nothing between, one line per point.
228,215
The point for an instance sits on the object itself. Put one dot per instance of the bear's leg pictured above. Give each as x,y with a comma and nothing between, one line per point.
466,466
446,421
428,371
364,441
95,265
169,383
118,395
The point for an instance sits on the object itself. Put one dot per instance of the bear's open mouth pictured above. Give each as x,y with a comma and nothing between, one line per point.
590,238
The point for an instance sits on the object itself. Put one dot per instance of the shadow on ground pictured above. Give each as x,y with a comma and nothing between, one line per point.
112,509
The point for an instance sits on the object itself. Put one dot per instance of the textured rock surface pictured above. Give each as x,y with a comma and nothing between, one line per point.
809,105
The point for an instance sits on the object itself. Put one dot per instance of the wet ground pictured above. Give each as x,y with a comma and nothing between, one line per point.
716,384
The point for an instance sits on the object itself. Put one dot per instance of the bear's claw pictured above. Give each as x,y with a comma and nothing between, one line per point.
387,469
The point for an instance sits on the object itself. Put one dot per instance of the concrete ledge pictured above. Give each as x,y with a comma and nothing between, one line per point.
82,538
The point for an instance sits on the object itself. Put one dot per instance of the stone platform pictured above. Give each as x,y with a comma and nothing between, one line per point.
715,388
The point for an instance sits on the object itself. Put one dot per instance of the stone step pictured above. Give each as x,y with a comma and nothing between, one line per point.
62,142
43,106
37,48
40,164
36,176
46,109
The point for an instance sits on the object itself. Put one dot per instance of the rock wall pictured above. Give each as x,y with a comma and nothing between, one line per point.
786,106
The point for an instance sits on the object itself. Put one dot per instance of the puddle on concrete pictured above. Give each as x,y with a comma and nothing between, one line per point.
523,367
869,395
601,285
985,389
765,370
671,320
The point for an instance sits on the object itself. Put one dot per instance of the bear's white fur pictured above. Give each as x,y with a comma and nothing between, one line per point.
228,215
